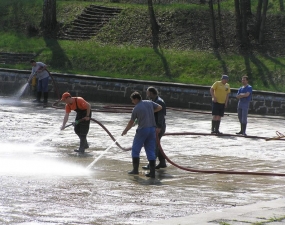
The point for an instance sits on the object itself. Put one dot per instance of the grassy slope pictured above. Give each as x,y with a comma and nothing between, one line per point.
127,61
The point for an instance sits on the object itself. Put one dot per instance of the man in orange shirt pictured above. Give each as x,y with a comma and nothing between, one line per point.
83,113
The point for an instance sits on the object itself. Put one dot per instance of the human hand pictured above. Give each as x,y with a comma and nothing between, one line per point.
124,132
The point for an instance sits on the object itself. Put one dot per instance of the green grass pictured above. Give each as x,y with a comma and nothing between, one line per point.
129,62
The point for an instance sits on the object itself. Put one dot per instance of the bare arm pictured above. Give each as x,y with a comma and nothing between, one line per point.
243,95
213,95
158,108
227,99
87,117
41,69
65,119
128,127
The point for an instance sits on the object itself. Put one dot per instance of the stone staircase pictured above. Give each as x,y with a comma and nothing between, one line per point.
89,22
15,58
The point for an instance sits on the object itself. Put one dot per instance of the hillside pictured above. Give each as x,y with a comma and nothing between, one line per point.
123,48
190,30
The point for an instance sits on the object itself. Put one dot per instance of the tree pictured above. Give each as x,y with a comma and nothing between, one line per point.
248,7
281,5
262,24
49,21
154,25
238,21
213,25
260,19
244,15
241,11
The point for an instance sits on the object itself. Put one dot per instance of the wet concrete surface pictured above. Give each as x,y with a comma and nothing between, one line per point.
44,182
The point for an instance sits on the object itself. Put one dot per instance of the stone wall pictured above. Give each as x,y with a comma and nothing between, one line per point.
118,91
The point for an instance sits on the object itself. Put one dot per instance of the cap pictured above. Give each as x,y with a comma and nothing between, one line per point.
64,96
226,77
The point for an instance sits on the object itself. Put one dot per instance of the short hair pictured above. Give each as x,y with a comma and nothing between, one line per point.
246,77
32,61
136,95
153,90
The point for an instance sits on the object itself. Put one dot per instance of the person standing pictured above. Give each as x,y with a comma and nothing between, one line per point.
159,116
244,95
143,112
220,92
39,70
83,113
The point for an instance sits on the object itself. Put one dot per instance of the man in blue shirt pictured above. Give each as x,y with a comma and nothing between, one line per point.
244,95
143,113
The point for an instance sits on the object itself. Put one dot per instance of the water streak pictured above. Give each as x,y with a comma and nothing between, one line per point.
21,91
96,160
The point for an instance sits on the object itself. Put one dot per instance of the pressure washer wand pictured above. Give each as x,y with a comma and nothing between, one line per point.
31,77
74,123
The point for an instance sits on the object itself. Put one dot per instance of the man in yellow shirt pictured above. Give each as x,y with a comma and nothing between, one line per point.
220,91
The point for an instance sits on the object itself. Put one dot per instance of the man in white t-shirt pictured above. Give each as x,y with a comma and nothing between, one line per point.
39,70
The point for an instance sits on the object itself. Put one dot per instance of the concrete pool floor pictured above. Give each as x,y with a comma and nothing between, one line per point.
44,182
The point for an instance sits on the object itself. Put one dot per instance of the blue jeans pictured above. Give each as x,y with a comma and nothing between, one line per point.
144,137
242,115
43,85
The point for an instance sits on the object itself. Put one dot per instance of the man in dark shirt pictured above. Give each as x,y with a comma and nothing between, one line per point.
152,94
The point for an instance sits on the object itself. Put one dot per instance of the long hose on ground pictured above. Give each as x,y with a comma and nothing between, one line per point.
214,171
191,169
278,137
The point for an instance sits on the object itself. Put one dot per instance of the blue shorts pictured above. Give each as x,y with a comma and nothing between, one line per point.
218,109
145,137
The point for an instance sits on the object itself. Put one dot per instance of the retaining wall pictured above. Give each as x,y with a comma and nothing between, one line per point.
115,91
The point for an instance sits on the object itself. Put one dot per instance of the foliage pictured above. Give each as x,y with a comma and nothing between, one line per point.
129,61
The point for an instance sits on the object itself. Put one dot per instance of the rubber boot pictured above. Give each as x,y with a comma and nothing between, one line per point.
82,144
151,173
136,163
217,127
162,162
146,167
244,129
213,126
86,144
241,128
39,95
45,98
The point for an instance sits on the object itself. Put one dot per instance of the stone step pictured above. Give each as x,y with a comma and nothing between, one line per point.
16,54
13,58
83,28
104,8
75,37
94,16
96,12
89,22
87,33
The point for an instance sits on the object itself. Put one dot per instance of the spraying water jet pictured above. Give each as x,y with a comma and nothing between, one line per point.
100,156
